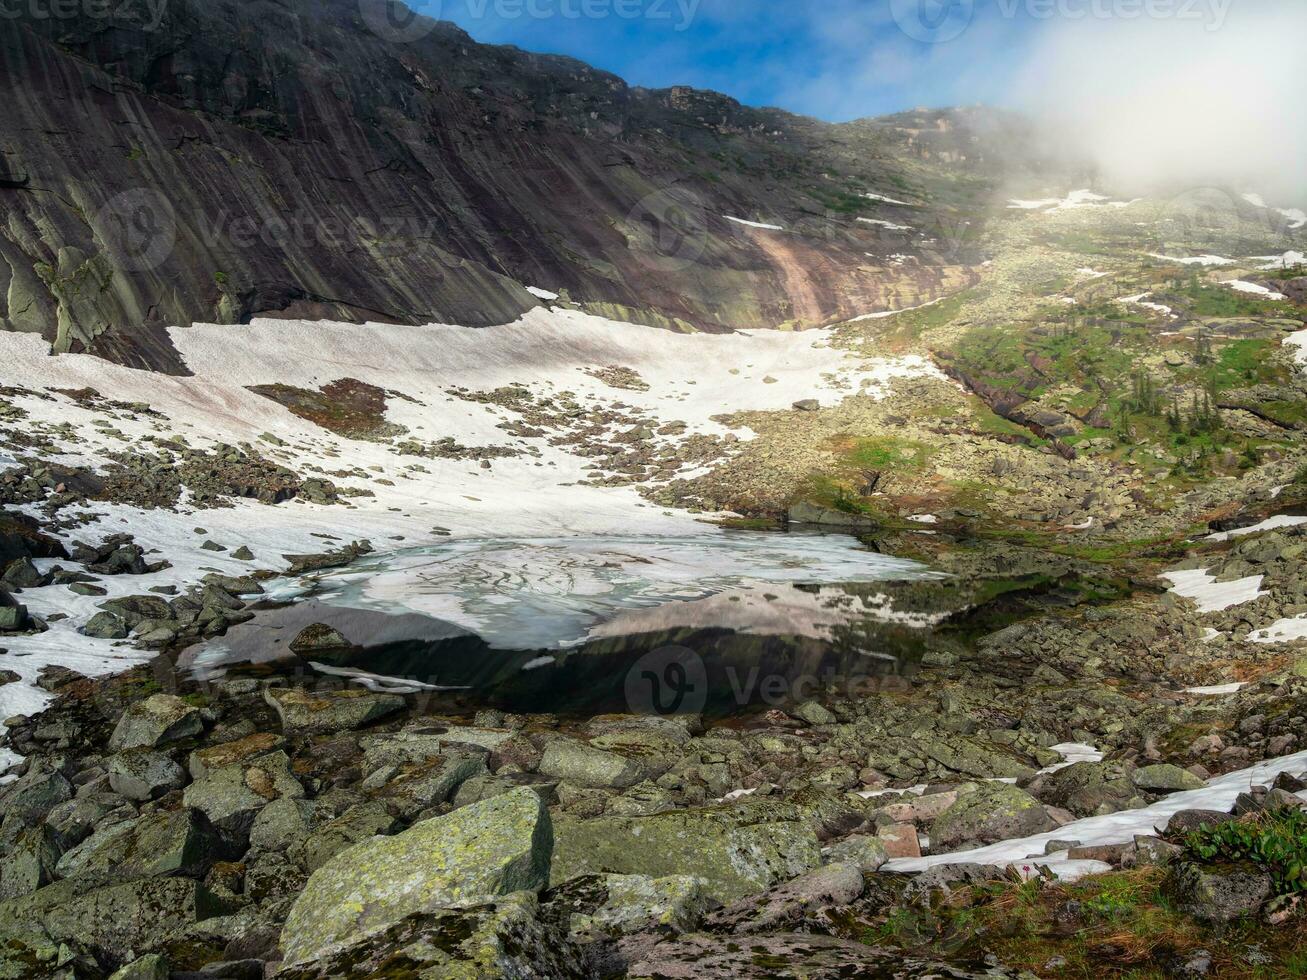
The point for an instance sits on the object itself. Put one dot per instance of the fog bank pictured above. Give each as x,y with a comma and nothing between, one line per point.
1178,102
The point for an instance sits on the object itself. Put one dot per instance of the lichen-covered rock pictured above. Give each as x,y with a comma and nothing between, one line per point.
1165,778
105,626
1217,893
158,720
501,941
140,774
814,713
136,609
29,862
582,765
233,795
605,906
31,796
789,956
788,905
1088,789
112,921
993,812
322,712
863,852
203,761
283,823
434,783
360,822
317,637
482,851
733,856
177,843
152,966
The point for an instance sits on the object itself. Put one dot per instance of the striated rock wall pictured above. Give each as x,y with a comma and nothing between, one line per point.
215,161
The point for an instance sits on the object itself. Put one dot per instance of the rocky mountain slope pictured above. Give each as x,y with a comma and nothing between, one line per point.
228,159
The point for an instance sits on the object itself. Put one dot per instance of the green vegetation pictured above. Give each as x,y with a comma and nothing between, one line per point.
1276,842
1120,925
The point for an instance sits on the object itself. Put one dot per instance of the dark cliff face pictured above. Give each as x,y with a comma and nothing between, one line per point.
214,160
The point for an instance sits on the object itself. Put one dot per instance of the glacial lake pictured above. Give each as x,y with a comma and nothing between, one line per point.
712,623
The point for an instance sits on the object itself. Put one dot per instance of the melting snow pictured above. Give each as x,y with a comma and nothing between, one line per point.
1217,689
753,224
1270,524
1114,828
1251,287
539,293
887,200
1139,301
1282,631
886,224
1193,259
1212,596
1298,340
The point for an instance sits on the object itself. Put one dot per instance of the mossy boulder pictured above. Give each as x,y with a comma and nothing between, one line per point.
482,851
232,796
158,720
157,844
324,712
734,857
1217,893
503,940
1164,778
992,812
583,765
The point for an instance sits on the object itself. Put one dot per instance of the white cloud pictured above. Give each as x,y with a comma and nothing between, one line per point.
1167,101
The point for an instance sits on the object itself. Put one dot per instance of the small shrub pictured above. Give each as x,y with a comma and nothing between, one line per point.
1275,842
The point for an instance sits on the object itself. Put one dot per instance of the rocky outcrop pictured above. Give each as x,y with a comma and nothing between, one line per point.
180,167
485,850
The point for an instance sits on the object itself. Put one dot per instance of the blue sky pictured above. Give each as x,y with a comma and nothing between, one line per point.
838,59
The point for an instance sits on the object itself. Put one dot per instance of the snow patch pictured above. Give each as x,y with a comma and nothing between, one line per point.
1244,286
1270,524
1114,828
1203,260
885,224
753,224
1201,586
1282,631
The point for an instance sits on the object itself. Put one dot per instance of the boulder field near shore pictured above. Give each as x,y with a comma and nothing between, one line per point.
300,826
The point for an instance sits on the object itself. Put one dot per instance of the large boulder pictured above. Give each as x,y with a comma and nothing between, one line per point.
992,812
178,843
596,907
140,774
789,905
323,712
482,851
1088,789
434,783
233,795
583,765
1165,778
112,921
29,862
31,796
503,940
158,720
733,854
1217,894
